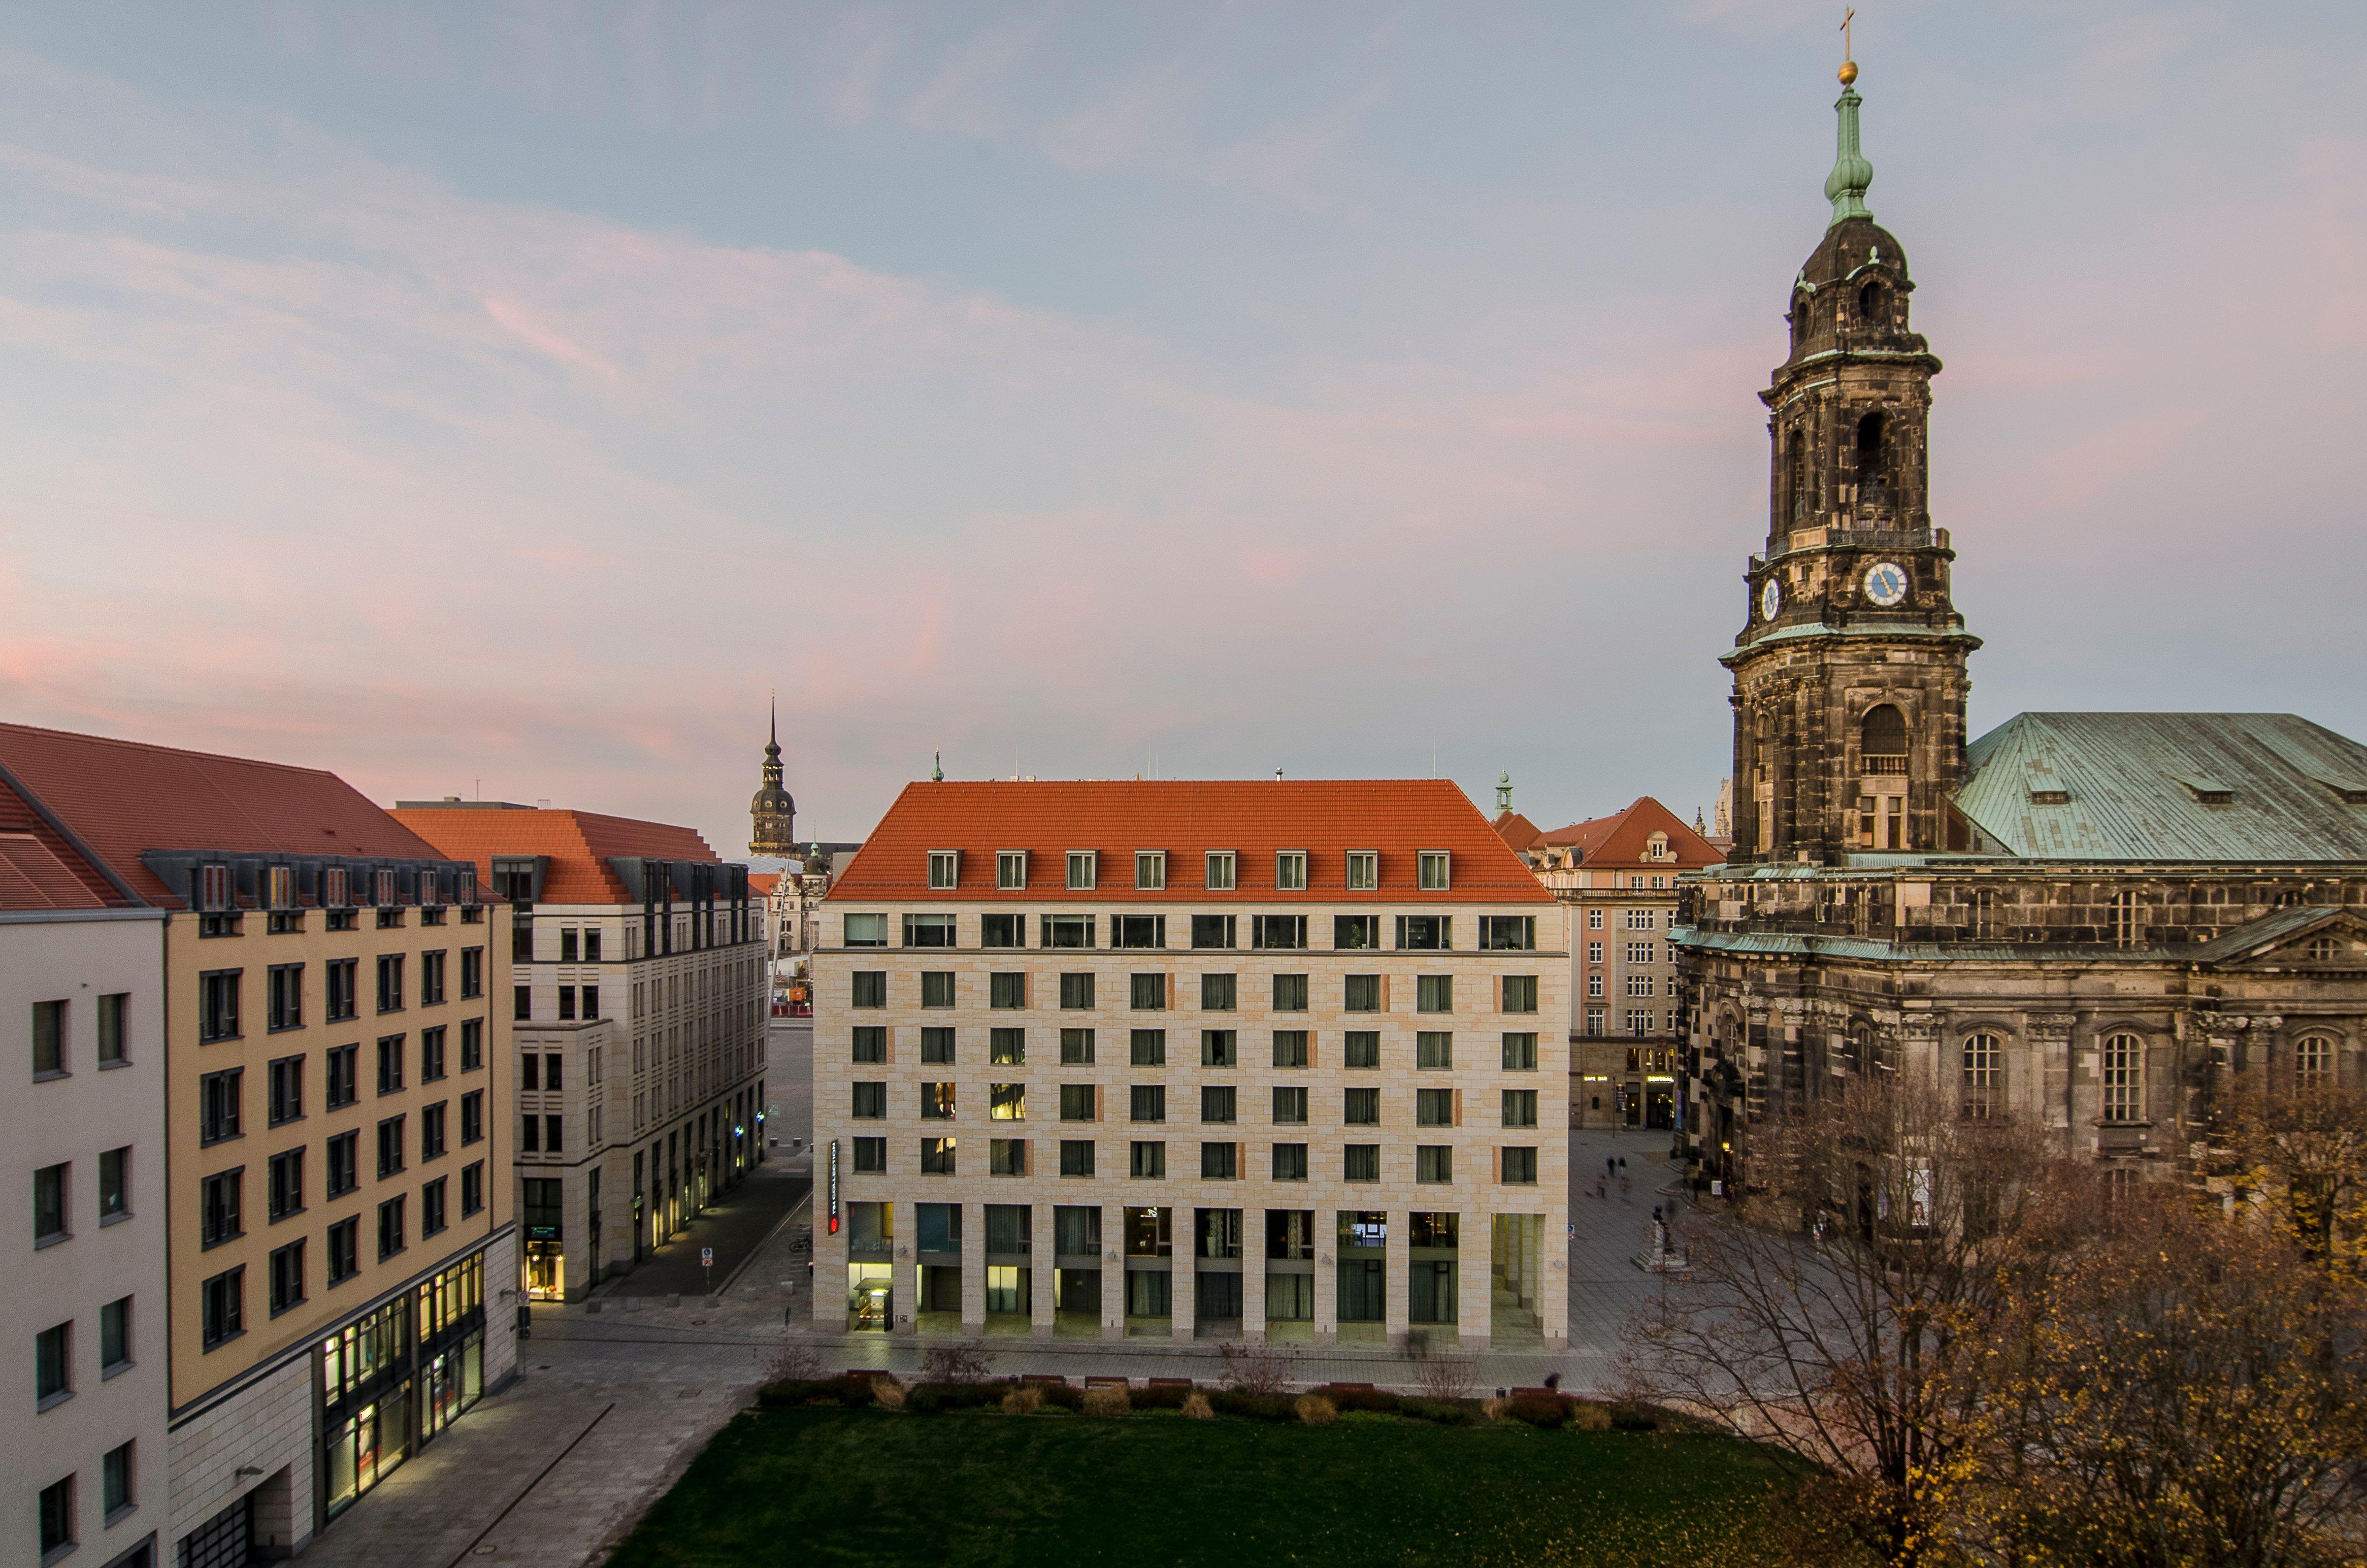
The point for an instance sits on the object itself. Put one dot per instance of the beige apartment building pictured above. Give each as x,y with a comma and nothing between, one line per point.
1616,876
336,1213
1191,1060
637,1004
82,1302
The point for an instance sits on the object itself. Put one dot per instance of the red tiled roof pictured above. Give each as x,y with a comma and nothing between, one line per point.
1254,818
123,798
579,844
1619,838
34,877
762,883
1515,829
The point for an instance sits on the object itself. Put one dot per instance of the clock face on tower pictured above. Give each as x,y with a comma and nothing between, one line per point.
1885,583
1770,599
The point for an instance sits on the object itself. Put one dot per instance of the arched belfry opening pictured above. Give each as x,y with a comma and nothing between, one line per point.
1873,305
1883,735
1795,479
1882,788
1874,460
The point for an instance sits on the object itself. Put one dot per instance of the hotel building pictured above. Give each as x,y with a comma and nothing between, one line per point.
1191,1060
639,1000
332,1197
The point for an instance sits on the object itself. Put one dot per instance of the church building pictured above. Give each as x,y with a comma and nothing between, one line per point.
2110,921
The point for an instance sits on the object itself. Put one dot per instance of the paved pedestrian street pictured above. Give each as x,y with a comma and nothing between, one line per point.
616,1396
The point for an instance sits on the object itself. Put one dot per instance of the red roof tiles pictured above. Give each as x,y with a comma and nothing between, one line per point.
1254,818
123,798
1619,838
579,844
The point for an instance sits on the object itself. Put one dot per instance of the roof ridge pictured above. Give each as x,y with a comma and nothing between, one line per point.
171,751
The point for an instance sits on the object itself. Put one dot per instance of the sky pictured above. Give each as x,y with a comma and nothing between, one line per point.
506,400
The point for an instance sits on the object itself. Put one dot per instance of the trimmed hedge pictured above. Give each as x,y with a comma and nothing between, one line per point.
853,1389
1547,1410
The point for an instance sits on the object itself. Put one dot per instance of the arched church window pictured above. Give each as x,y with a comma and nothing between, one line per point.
1873,457
1795,479
1871,305
2313,1063
1884,734
1800,317
1984,1076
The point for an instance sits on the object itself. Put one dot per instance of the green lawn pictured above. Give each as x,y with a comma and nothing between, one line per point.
972,1489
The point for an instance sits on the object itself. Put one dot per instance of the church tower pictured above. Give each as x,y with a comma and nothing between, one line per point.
1849,674
773,816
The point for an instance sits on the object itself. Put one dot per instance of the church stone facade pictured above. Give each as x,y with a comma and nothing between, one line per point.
2108,921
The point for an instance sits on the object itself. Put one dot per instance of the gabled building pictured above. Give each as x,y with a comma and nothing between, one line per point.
638,1003
1191,1060
1616,877
2109,921
332,1189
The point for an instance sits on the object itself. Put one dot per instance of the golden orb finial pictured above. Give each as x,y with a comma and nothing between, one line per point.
1848,72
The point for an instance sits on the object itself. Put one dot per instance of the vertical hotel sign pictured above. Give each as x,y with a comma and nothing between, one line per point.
833,1187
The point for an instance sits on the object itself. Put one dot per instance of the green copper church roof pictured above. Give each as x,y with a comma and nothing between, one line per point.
2266,788
1846,186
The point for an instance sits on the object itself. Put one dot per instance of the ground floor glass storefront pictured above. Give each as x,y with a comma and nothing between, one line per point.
396,1375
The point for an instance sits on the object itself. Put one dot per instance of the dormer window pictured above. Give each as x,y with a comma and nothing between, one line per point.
279,888
334,894
1364,871
1222,870
1431,871
1657,846
944,868
1150,870
1290,871
214,888
1084,868
1011,869
431,888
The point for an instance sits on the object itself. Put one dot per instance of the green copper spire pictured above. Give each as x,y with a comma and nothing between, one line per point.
1845,186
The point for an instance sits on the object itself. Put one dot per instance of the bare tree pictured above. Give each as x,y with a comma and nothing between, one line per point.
1438,1373
960,1363
2298,1161
794,1362
1829,1312
1256,1368
2190,1388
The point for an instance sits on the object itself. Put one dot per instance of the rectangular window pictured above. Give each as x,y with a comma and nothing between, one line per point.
390,1228
1364,994
431,1050
1067,930
936,1046
1003,931
472,973
346,1250
218,1004
286,1183
431,1208
1290,993
1290,1048
1150,870
390,1146
939,1101
114,1028
1084,868
1434,994
1006,1157
1426,933
1217,993
473,1188
1011,869
52,1209
1137,930
1077,1102
1290,871
1520,1108
521,1003
1361,1107
283,996
1433,1107
1076,1155
1076,1048
431,979
1007,1047
944,867
1355,933
218,1105
567,1002
1147,1102
1290,1162
49,1040
114,1184
937,988
1221,872
871,1156
871,988
1149,1161
1364,871
116,1483
1216,1102
865,930
1433,1162
390,1065
1146,1048
1519,1168
1217,1048
431,1130
390,983
1519,1052
530,1135
1290,1105
870,1044
1431,867
1520,994
115,1346
937,1156
1218,1161
1434,1048
1006,1102
56,1507
221,1302
1150,993
1361,1161
1281,932
1076,991
2122,1070
1508,932
344,997
287,1277
344,1163
1361,1049
472,1044
52,1366
929,930
472,1116
1212,930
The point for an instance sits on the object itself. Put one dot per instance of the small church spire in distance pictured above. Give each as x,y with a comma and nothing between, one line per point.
937,767
1504,791
1845,188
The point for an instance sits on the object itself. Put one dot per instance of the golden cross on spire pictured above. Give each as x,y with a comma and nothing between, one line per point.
1849,52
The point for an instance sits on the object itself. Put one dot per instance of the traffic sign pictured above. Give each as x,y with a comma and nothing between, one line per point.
706,1258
